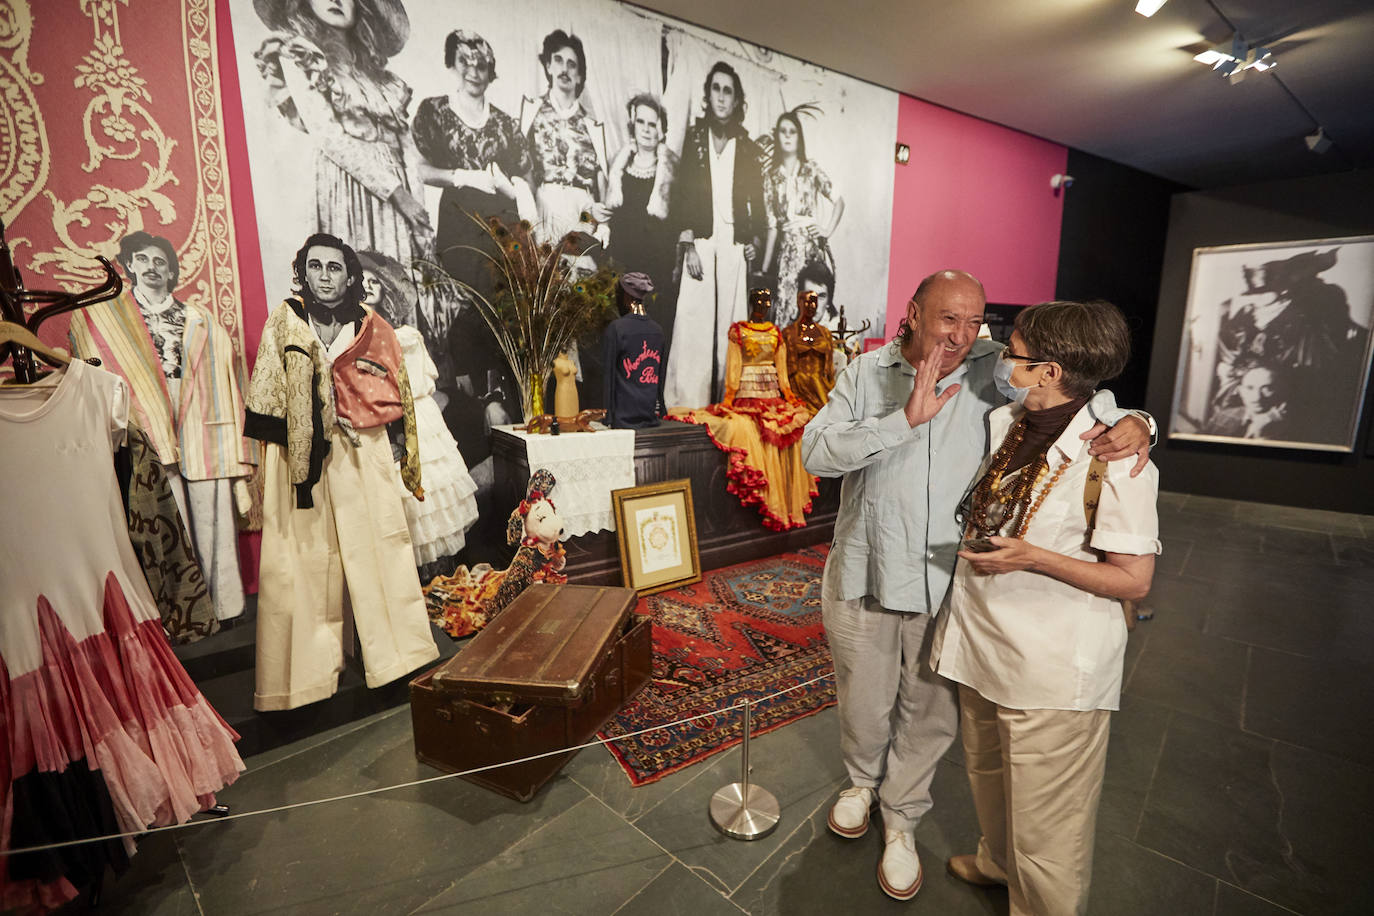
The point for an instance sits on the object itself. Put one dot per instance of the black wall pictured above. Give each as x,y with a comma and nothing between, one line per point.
1112,247
1325,206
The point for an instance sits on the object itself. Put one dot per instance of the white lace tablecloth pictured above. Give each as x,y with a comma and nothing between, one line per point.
586,468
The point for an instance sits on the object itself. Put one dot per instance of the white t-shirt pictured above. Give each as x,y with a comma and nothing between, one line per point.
722,190
1026,641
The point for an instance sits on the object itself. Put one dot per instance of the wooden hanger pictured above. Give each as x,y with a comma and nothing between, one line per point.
12,335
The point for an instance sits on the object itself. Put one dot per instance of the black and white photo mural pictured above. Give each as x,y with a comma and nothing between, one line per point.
708,163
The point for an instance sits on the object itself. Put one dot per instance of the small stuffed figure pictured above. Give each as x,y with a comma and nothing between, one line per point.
466,601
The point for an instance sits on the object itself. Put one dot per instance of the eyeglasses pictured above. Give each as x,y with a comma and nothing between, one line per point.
1009,356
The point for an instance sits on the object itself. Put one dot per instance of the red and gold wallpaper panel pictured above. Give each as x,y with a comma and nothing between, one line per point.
110,123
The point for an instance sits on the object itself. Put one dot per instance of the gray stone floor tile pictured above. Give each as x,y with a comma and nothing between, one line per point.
1284,823
595,770
1168,499
1309,702
1179,602
1133,752
1352,551
1175,556
1329,620
377,853
589,860
154,885
678,892
1128,879
1232,901
1210,505
1213,800
1294,542
817,872
1320,520
1191,672
799,764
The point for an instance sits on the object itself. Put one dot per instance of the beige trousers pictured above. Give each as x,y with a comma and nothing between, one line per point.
1036,776
897,716
352,545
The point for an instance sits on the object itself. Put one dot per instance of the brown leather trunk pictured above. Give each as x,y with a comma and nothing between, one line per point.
545,675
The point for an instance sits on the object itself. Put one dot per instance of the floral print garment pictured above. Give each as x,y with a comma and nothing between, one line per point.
563,150
446,142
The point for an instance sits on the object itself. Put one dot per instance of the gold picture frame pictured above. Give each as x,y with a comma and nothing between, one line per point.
657,531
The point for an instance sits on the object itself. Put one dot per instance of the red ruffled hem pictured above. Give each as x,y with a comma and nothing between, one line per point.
120,701
747,482
780,422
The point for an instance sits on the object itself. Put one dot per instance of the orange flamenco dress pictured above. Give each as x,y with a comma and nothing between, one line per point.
759,425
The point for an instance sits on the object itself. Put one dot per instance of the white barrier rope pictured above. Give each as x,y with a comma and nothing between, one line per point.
404,785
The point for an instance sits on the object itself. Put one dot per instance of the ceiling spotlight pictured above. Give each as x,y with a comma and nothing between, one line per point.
1232,58
1060,181
1148,8
1318,142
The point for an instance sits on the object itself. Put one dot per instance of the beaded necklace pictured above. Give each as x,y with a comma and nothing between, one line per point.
994,506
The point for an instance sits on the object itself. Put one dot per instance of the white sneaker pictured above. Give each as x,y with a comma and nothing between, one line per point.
899,873
849,814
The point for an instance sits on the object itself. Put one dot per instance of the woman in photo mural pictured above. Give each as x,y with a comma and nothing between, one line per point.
793,188
477,154
325,69
438,524
638,192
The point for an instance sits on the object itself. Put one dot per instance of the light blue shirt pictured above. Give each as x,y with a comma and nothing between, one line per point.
895,536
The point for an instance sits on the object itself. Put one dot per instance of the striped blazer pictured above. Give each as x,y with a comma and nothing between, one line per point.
203,431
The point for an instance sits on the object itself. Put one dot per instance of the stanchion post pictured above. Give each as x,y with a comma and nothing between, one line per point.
743,811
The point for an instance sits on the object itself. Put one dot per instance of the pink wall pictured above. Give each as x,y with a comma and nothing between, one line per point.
977,197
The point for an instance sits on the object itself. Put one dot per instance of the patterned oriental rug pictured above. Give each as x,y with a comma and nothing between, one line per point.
744,631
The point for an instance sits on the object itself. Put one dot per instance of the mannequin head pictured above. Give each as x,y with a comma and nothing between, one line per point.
631,292
807,302
760,304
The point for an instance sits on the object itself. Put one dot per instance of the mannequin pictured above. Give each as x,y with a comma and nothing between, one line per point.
810,354
760,421
565,406
756,360
186,387
635,356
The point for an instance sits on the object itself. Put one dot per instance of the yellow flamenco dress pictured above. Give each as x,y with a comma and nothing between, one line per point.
759,424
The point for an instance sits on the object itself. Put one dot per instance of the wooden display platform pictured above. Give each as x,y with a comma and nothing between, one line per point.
727,532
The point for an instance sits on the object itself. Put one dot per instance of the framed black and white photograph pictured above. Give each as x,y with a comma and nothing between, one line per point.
1276,347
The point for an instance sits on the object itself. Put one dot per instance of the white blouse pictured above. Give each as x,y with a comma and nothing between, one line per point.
1027,641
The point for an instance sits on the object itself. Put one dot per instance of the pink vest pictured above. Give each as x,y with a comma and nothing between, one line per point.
367,390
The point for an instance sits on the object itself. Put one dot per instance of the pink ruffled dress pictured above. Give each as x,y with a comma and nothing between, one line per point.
103,730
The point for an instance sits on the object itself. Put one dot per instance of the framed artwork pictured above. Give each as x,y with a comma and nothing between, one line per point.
658,536
1276,347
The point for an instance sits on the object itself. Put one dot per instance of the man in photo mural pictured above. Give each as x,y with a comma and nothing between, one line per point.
568,147
329,379
906,427
186,386
718,202
1299,326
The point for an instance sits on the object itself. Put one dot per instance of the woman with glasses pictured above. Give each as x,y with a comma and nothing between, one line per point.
1032,632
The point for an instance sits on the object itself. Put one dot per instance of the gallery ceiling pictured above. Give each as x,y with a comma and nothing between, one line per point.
1097,76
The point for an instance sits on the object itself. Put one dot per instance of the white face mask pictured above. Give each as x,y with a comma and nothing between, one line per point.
1001,374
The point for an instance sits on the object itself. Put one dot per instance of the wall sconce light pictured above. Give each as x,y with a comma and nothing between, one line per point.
1148,8
1061,182
903,154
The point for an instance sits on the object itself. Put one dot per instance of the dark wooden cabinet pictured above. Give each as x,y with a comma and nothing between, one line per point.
727,532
